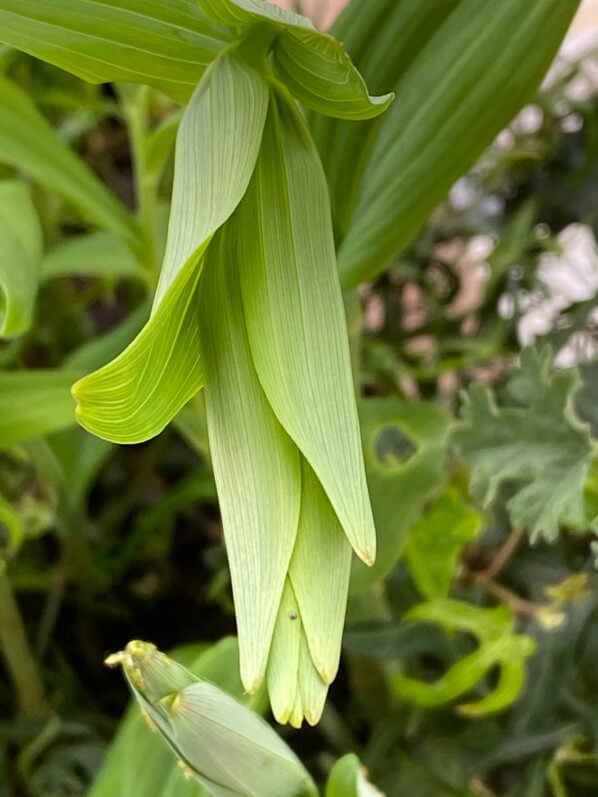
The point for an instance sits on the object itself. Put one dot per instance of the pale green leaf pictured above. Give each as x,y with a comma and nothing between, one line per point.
313,690
256,465
474,74
134,397
347,779
162,44
319,573
437,540
536,439
314,66
295,317
99,254
405,446
283,662
29,143
20,254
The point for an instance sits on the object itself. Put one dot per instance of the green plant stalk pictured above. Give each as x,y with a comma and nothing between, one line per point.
135,103
18,654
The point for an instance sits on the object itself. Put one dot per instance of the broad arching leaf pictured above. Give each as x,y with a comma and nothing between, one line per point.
166,45
20,256
295,316
30,144
134,397
474,74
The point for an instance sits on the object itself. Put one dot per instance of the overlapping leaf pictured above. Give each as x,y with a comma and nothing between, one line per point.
20,256
165,45
537,440
256,465
295,317
313,65
135,396
30,144
479,68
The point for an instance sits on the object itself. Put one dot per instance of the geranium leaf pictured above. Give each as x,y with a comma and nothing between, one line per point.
538,440
165,45
30,144
134,397
295,316
20,255
256,465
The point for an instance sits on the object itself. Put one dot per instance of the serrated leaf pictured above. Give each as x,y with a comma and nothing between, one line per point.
29,143
314,66
165,45
475,73
20,255
134,397
436,541
537,439
295,317
405,446
256,465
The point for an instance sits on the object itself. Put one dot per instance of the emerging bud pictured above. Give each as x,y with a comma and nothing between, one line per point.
224,745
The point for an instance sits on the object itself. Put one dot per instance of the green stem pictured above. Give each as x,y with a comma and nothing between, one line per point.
18,654
135,101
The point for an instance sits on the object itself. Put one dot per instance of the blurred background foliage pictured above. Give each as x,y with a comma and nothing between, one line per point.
469,662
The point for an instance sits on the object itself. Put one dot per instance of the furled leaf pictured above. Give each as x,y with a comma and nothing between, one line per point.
134,397
436,541
313,65
295,317
20,255
165,45
404,445
98,254
138,762
536,439
383,37
29,143
473,75
226,746
498,645
256,465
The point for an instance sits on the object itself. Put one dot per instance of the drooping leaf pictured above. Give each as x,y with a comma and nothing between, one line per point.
20,255
99,254
256,465
436,541
537,439
498,644
165,45
295,317
314,66
239,754
473,75
138,762
29,143
404,445
134,397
